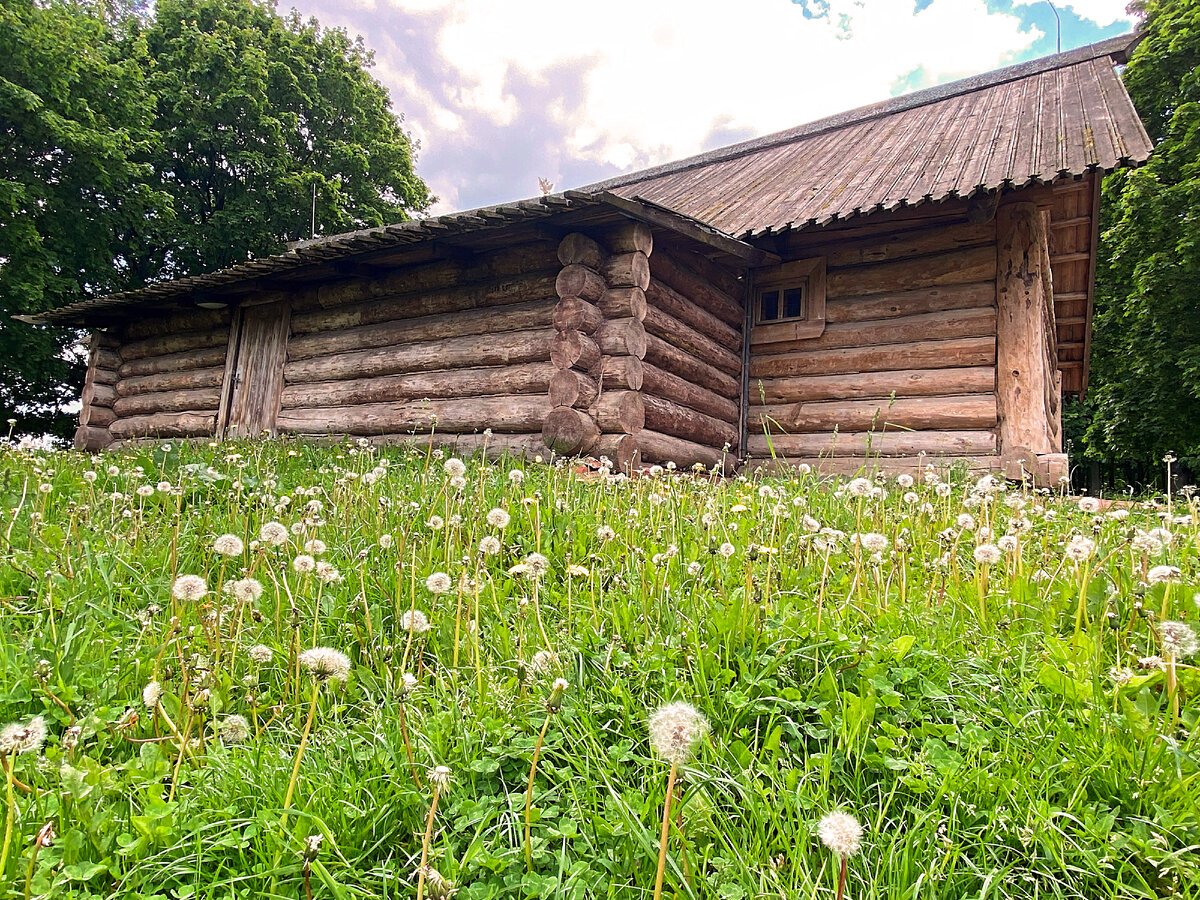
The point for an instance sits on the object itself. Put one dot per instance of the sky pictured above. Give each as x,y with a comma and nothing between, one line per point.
499,93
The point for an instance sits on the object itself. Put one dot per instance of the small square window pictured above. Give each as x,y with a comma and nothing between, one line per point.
789,301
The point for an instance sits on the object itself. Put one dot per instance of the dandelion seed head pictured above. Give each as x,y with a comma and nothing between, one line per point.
537,563
727,550
1178,639
151,694
414,621
1080,548
304,564
841,833
189,588
325,663
23,737
543,661
1160,574
604,533
988,554
273,533
439,777
675,731
385,541
228,545
498,518
247,590
454,467
315,547
327,572
438,583
1089,505
489,546
260,654
233,730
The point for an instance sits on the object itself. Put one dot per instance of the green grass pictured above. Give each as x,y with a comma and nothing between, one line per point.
984,744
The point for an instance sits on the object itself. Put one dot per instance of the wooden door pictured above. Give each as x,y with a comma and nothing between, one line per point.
254,370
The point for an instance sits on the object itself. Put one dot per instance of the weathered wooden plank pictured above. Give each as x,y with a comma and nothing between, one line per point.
703,293
92,439
956,267
627,270
503,414
665,326
901,243
512,317
528,378
687,393
869,385
171,381
963,412
907,303
259,367
955,353
681,308
671,359
184,320
896,443
160,345
174,362
505,349
168,401
671,418
199,423
656,447
889,465
953,323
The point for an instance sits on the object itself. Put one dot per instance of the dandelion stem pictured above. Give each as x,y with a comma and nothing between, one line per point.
425,842
11,815
291,788
537,752
841,885
666,826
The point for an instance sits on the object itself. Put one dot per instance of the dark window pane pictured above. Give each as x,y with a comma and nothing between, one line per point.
770,306
793,303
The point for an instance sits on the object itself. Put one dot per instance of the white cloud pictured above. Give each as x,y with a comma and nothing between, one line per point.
501,92
1102,12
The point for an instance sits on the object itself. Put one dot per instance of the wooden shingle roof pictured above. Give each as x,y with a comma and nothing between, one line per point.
1050,118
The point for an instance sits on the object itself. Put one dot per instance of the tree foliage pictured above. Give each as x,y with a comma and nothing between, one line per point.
146,145
1145,382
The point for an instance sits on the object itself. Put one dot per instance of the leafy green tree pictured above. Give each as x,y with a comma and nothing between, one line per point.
1145,383
258,114
74,191
140,143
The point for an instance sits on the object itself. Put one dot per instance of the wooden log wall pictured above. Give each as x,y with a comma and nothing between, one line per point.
907,362
693,367
452,347
99,394
168,375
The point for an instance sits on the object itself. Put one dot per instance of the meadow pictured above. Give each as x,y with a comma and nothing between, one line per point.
283,670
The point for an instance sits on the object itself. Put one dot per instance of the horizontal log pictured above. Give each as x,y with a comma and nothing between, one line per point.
574,350
510,265
671,359
893,443
956,267
98,416
515,413
852,466
163,425
622,337
580,281
172,323
90,438
451,298
868,385
620,412
668,417
103,340
174,362
668,328
445,384
623,303
891,304
104,376
656,447
676,304
579,249
108,359
956,353
621,450
168,401
903,243
575,314
729,281
630,237
569,431
161,345
968,411
951,323
492,320
509,348
620,372
627,270
570,387
98,394
674,273
687,393
171,381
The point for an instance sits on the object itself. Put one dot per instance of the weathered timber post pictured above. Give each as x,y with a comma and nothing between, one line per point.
1026,371
99,393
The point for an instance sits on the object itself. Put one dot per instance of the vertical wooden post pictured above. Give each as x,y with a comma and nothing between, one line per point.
1025,369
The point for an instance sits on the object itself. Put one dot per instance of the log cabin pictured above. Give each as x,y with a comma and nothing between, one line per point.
905,282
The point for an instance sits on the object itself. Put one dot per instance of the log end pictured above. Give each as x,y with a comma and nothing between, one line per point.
569,431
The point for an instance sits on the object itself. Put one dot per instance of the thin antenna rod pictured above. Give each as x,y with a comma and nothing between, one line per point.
314,211
1058,39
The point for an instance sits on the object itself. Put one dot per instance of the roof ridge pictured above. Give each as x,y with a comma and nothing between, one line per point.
1117,47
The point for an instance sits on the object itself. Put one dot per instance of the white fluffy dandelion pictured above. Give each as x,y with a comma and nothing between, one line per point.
438,583
1178,640
234,730
260,654
189,588
26,737
151,694
414,621
273,533
675,731
325,663
489,546
304,564
988,554
454,467
498,518
841,833
1080,548
1163,574
228,545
